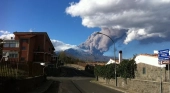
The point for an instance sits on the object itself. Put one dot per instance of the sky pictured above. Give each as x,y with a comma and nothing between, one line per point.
135,26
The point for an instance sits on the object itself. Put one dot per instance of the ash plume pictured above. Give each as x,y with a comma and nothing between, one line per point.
98,44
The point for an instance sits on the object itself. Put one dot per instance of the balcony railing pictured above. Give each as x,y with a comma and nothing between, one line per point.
38,60
38,50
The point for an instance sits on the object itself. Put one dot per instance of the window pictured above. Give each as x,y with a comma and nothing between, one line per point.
144,70
24,40
10,54
22,58
13,55
23,48
12,43
38,49
6,45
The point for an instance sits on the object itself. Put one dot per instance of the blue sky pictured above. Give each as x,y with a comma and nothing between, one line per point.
42,15
72,24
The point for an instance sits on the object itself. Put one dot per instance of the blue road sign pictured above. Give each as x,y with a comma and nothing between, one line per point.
161,58
163,54
163,51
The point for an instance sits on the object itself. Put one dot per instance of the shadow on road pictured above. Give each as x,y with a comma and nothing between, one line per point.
54,88
68,72
62,72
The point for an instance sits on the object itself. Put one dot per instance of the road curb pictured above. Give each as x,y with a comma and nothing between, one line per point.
115,88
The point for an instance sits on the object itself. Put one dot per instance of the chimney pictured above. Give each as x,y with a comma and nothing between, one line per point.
11,38
155,51
120,56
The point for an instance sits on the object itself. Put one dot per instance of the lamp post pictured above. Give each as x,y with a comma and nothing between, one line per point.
114,54
43,64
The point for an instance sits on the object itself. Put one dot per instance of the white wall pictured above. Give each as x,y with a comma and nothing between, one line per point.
150,60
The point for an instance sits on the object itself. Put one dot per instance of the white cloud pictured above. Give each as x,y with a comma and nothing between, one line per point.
6,35
152,16
60,46
140,34
30,30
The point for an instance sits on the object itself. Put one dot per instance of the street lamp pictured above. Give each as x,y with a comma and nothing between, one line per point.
43,64
114,54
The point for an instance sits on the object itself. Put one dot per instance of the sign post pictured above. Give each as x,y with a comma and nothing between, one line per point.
163,56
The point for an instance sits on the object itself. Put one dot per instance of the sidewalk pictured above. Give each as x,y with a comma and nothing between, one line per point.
112,87
43,88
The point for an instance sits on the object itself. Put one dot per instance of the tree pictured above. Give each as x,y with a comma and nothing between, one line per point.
127,68
106,71
67,59
62,56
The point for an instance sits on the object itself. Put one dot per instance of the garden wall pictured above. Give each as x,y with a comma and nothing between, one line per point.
139,86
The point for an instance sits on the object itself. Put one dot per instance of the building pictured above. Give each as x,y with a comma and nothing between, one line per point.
149,68
112,61
29,47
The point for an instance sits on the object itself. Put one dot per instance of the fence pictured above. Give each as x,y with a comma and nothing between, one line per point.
13,70
20,69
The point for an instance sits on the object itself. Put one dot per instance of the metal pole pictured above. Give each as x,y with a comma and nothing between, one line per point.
168,75
44,70
115,65
161,79
168,72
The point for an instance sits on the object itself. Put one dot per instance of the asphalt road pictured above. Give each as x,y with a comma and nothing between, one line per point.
74,81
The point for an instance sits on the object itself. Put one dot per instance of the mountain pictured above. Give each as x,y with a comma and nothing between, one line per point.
86,56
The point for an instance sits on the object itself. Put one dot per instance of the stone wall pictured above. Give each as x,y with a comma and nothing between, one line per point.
151,73
139,86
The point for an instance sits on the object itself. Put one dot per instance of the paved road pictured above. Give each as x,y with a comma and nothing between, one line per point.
76,82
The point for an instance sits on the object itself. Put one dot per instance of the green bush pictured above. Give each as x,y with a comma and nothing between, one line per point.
107,71
125,69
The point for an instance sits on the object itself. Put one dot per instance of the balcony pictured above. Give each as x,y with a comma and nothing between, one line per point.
38,60
38,50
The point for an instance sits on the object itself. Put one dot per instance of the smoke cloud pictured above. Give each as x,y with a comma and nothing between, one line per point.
98,44
145,20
